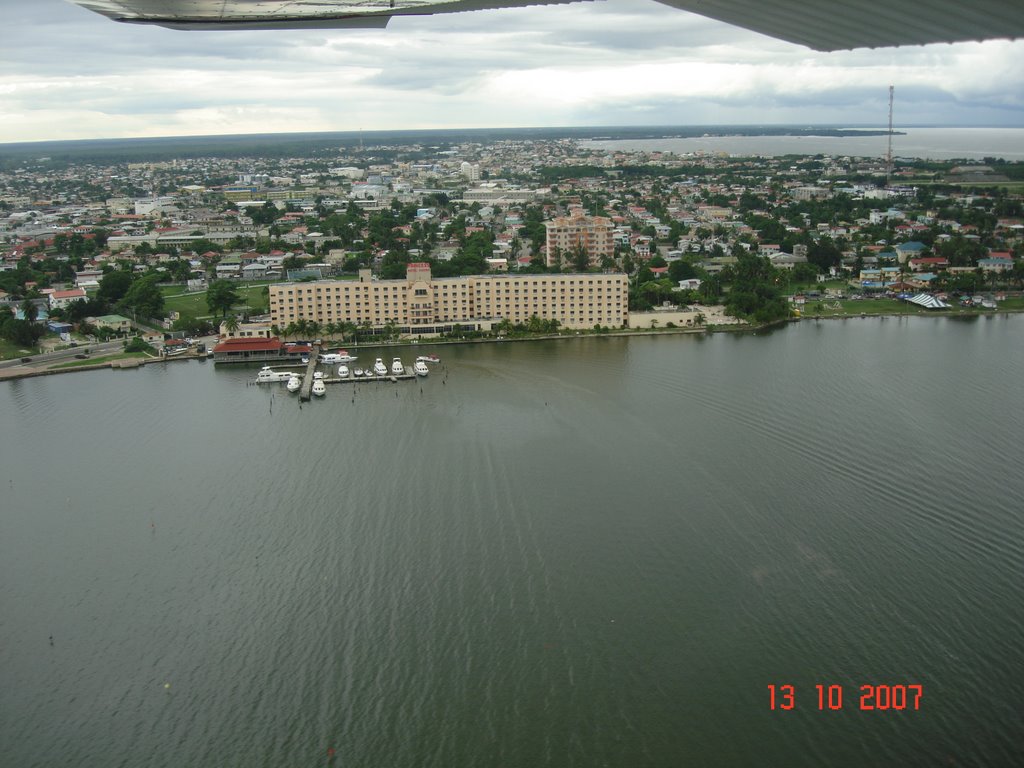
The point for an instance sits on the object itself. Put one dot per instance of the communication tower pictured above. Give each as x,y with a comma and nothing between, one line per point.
888,154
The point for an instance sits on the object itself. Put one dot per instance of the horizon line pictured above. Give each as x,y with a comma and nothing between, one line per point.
575,128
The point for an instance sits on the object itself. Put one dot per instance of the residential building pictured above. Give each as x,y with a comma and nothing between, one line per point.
996,264
566,233
255,330
60,299
113,322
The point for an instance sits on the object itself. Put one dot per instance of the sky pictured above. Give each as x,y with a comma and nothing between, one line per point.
68,73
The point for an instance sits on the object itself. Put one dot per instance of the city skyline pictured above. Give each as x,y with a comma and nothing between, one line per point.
71,74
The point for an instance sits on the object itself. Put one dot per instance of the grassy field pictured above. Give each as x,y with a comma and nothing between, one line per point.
100,360
10,351
194,304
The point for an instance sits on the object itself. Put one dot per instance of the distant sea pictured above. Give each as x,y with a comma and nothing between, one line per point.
763,140
920,143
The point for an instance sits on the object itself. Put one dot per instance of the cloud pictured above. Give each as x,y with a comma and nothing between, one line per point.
68,73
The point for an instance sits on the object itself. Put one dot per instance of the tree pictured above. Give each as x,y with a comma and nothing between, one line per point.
580,258
29,310
24,333
221,296
137,344
144,297
681,270
114,286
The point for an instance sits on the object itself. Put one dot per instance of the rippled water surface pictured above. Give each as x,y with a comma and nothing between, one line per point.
595,552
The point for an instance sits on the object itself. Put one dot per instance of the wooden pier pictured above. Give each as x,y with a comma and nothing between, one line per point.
394,377
306,391
307,380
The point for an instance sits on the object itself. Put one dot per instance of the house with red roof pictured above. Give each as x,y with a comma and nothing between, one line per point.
928,263
60,299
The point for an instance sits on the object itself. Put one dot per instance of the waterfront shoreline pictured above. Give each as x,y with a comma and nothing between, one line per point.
10,374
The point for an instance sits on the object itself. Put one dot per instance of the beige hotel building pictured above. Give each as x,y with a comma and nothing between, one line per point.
421,305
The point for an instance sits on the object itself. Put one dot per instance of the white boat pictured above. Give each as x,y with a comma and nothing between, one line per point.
319,388
358,372
368,373
379,369
318,375
343,371
397,368
294,383
268,374
332,358
428,359
420,368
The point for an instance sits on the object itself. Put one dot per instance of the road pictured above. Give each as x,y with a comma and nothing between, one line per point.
45,360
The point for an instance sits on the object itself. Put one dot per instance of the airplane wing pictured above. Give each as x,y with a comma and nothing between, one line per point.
286,14
824,25
834,25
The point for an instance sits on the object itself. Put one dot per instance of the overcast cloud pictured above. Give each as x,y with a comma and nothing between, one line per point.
67,73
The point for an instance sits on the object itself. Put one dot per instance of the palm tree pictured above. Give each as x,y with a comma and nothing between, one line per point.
29,310
231,324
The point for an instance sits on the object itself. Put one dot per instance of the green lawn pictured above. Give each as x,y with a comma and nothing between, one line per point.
10,351
1012,304
194,304
100,360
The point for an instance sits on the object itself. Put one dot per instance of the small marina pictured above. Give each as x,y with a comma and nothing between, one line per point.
319,367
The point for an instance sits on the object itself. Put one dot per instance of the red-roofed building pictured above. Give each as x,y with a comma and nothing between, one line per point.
244,350
928,263
60,299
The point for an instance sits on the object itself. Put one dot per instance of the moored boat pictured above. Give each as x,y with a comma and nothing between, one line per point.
332,358
420,368
379,369
268,375
294,383
428,359
397,367
319,388
343,371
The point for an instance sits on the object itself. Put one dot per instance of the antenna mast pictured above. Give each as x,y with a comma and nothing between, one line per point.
888,154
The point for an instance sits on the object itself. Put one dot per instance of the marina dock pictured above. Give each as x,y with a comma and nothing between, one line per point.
306,390
307,380
408,374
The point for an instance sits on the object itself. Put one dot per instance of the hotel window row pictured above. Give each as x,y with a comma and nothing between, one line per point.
577,301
